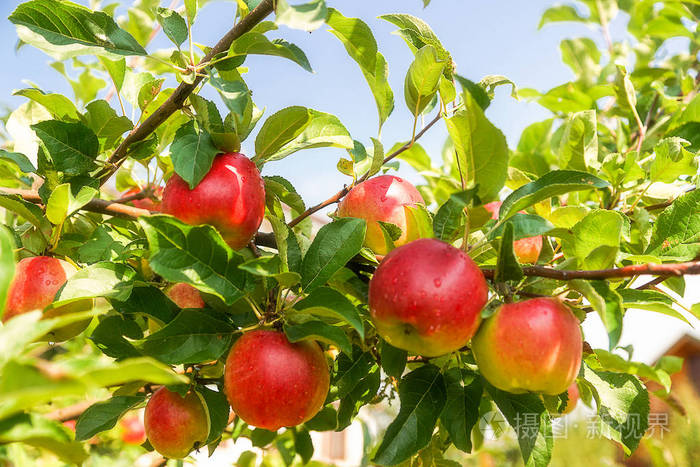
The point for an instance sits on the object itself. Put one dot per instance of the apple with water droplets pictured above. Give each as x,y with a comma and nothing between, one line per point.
175,425
530,346
35,285
384,198
527,249
426,297
273,383
231,197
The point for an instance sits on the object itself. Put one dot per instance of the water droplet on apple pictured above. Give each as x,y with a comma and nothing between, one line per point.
437,282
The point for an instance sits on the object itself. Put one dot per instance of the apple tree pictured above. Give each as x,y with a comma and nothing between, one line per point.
171,296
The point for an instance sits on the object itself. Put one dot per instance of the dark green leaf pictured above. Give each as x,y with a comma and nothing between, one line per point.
464,390
606,302
393,359
318,330
72,147
192,153
328,302
103,120
507,268
60,107
218,410
103,416
676,233
303,444
256,43
22,161
450,217
174,26
150,301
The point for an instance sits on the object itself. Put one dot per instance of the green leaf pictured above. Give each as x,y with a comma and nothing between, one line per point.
583,57
672,160
361,46
422,79
218,410
351,369
490,82
477,92
481,148
116,70
150,301
28,211
450,217
271,266
578,149
623,406
72,147
257,44
327,302
174,26
191,10
554,183
298,132
192,153
608,361
62,203
114,336
303,445
7,264
507,268
307,16
393,359
530,420
104,121
560,13
222,134
106,279
416,33
103,416
287,245
676,233
335,244
524,226
60,107
196,255
423,395
320,331
461,413
596,239
35,430
192,337
651,300
377,157
22,161
58,27
606,302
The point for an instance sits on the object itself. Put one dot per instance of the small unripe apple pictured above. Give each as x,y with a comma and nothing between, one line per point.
185,296
426,297
148,203
132,429
35,285
534,345
574,397
231,197
528,249
383,198
272,383
175,425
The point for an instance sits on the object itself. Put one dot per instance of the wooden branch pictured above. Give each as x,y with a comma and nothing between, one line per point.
177,99
346,189
71,412
665,270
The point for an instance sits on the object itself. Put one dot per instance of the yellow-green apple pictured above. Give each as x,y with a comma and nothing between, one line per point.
175,425
534,345
426,297
35,285
231,197
383,198
185,296
526,249
272,383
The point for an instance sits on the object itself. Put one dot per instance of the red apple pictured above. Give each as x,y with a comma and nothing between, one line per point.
151,203
175,425
271,382
231,197
132,429
574,396
185,296
426,297
534,345
526,249
382,198
35,285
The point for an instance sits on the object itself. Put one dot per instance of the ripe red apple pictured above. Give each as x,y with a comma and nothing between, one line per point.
147,203
35,285
231,197
271,382
526,249
185,296
132,429
175,425
426,297
574,397
383,199
534,345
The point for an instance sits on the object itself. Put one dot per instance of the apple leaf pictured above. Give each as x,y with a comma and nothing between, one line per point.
307,16
193,336
423,394
150,301
676,233
104,121
60,107
192,153
7,264
461,413
114,336
105,279
320,331
35,430
104,415
623,406
651,300
450,217
524,226
608,361
351,369
334,245
303,445
19,159
422,79
62,203
279,129
361,46
174,26
507,268
196,255
218,409
529,418
554,183
415,32
578,149
72,147
327,302
606,302
393,359
255,43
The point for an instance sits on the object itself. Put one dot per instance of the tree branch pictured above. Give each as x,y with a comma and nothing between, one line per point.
346,189
177,99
